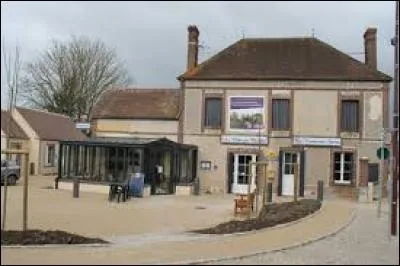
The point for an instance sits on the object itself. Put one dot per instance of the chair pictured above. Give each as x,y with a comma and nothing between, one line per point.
112,192
118,190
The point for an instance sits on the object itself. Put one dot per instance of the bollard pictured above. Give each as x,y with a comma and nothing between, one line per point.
56,183
196,186
269,192
76,188
320,190
265,195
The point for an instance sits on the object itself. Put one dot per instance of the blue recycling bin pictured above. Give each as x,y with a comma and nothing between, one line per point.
136,185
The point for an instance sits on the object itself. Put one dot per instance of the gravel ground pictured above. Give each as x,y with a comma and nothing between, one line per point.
365,241
51,209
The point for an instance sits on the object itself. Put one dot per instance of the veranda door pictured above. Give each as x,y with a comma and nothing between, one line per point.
288,164
243,171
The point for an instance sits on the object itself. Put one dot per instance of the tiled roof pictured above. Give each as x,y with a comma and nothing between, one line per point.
138,103
10,127
283,59
51,126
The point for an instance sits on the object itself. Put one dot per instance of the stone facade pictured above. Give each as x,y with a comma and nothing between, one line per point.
315,113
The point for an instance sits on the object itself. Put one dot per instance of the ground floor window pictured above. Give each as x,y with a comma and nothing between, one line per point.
15,157
343,167
163,163
50,155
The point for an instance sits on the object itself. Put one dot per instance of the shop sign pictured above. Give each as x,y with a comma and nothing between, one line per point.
311,141
243,139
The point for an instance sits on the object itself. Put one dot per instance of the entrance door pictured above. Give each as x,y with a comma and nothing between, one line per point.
16,157
288,162
243,171
373,172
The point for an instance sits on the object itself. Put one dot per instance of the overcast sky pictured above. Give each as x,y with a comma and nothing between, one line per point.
150,37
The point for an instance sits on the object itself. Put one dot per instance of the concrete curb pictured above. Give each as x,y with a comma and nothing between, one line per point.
278,226
206,236
334,232
56,246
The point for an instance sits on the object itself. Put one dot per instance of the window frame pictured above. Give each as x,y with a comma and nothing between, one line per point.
358,115
242,130
353,176
289,114
218,96
53,162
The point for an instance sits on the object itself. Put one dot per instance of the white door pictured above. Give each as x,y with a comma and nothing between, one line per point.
243,171
288,163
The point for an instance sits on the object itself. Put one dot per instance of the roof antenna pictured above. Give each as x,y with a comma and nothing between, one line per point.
313,33
243,33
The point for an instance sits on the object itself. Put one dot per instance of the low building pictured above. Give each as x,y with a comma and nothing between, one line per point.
137,113
44,131
134,131
12,132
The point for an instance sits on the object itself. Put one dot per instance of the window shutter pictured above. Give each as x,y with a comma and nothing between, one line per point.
230,172
280,114
280,174
213,108
302,171
350,116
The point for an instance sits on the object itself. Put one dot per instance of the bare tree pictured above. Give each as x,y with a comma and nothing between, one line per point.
70,76
12,68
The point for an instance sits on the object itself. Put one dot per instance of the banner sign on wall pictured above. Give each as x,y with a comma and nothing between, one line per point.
241,139
246,113
316,141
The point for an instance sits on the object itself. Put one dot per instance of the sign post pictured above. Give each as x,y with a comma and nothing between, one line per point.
25,190
296,177
382,153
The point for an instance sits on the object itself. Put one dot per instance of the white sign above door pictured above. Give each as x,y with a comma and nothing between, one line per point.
311,141
243,139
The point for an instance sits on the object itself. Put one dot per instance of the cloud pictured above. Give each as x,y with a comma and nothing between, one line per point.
151,36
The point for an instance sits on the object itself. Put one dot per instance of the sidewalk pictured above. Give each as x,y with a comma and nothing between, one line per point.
334,216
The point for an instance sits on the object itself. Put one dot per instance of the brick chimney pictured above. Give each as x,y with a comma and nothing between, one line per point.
193,47
370,48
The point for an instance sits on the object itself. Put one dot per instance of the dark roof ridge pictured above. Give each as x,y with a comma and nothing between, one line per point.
142,89
42,111
277,38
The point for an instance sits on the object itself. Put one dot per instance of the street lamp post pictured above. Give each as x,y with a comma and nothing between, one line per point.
395,127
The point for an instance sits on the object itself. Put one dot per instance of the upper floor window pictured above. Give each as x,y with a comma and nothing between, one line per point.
350,116
213,110
280,114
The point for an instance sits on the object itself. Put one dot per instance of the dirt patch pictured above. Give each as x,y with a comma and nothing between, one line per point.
270,215
39,237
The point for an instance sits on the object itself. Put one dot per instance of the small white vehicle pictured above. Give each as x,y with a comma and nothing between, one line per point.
11,170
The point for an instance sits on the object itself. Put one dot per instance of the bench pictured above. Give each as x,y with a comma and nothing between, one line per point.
243,203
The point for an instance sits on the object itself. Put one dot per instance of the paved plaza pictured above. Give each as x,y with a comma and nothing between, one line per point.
153,230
